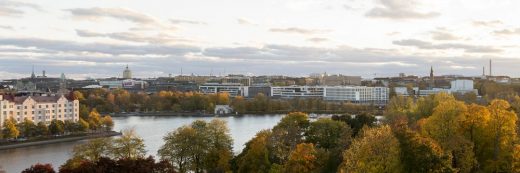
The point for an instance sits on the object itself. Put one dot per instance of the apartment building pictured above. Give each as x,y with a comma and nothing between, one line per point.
38,108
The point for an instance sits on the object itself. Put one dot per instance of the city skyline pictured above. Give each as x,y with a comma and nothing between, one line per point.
295,37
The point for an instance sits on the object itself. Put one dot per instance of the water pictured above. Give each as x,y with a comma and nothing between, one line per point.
151,129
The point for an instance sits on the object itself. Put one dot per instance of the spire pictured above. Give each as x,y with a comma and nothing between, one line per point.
432,78
32,74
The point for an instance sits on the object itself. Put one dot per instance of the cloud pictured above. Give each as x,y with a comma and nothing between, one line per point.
102,48
183,21
116,13
442,35
490,23
318,39
506,32
295,30
428,45
398,10
6,27
14,8
134,37
243,21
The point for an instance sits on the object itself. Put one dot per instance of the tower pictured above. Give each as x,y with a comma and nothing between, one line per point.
32,74
432,78
490,74
127,74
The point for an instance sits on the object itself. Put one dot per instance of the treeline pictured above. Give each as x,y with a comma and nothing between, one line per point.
27,129
120,100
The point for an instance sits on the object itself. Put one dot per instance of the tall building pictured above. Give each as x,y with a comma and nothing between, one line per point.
38,108
127,74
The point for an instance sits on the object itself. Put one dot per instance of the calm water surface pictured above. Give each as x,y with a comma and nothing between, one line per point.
151,129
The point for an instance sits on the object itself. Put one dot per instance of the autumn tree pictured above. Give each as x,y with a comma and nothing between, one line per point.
94,120
444,127
128,146
40,168
375,150
255,156
302,159
107,123
9,129
503,135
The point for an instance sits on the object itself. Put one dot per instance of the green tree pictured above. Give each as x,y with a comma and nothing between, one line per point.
56,127
27,128
178,148
83,125
93,150
128,146
10,130
286,135
332,136
42,129
220,146
376,150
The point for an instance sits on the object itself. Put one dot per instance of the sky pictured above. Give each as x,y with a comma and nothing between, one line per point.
368,38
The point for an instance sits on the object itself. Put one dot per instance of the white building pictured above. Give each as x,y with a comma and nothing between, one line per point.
297,91
38,108
233,89
354,94
357,94
127,84
459,86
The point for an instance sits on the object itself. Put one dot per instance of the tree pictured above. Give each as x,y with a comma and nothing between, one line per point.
474,127
69,126
220,149
375,150
239,104
10,130
93,149
40,168
128,146
331,136
302,159
27,128
421,154
177,148
56,127
286,135
83,125
42,129
255,156
502,125
94,120
107,122
444,127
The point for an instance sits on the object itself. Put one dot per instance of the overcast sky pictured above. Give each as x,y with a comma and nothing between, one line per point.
98,38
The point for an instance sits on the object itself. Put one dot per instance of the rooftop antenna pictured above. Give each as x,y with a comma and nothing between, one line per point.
181,71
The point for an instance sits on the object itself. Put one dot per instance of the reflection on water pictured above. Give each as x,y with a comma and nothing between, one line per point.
151,129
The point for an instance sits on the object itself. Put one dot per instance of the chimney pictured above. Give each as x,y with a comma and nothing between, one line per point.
490,72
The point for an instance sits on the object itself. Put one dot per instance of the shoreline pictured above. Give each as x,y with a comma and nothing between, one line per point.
58,140
197,114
